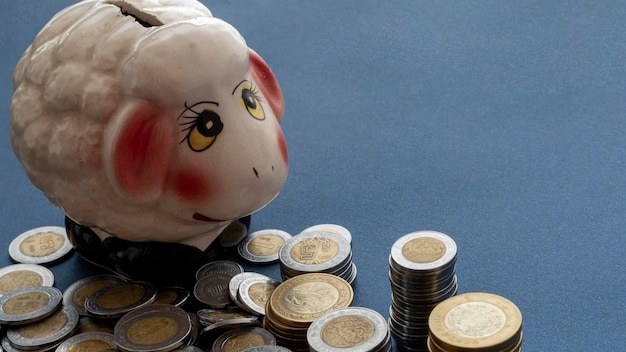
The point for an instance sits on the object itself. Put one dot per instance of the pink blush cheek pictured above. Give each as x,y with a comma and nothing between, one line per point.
192,186
282,145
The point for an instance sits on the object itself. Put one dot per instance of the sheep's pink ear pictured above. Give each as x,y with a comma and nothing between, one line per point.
264,78
139,145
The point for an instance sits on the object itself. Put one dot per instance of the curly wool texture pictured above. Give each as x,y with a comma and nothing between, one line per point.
68,84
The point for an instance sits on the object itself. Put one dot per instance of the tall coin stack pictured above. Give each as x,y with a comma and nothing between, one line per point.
422,274
317,252
474,322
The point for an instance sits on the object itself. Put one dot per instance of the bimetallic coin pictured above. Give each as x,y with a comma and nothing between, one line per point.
77,293
317,252
267,348
238,339
114,301
46,332
176,296
233,234
263,246
476,321
254,293
334,228
89,324
88,341
212,290
225,267
235,281
29,304
423,250
42,245
349,329
304,298
157,327
18,276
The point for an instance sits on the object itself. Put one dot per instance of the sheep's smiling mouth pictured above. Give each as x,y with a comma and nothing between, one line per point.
200,217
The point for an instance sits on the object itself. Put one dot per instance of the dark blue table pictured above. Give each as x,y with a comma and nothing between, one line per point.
501,124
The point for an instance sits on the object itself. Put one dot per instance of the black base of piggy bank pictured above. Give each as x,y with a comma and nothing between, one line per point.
162,264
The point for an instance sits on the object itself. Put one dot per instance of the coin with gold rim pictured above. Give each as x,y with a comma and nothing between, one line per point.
476,321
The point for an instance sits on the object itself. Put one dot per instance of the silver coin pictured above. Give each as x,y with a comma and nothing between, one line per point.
315,252
446,250
174,295
233,234
29,304
349,329
114,301
212,290
46,332
78,292
18,276
226,267
42,245
334,228
208,317
88,341
156,327
247,333
267,348
254,292
235,281
263,246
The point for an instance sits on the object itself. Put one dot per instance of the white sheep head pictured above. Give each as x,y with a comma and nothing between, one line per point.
148,120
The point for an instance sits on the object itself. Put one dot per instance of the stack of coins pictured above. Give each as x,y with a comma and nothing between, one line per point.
262,247
317,252
422,274
349,329
475,322
298,301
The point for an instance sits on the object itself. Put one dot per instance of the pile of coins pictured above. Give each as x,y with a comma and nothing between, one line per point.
299,301
475,322
422,274
317,251
352,329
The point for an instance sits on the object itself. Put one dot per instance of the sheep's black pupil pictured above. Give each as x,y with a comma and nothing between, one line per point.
248,98
209,123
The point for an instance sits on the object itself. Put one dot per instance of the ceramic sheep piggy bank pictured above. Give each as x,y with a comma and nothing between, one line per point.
152,125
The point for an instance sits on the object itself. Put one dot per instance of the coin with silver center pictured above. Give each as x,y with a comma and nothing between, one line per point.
29,304
88,341
226,267
212,290
263,246
42,245
78,292
153,328
114,301
254,293
46,332
18,276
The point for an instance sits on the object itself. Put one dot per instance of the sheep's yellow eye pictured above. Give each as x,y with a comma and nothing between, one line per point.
204,131
251,102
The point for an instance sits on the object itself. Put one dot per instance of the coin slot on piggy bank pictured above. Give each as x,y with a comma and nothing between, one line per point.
153,126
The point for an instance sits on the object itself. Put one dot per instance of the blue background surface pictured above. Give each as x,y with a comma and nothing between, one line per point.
499,123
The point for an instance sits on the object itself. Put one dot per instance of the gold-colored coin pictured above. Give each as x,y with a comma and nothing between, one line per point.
17,276
121,296
424,250
347,331
44,327
42,244
302,299
265,245
476,321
